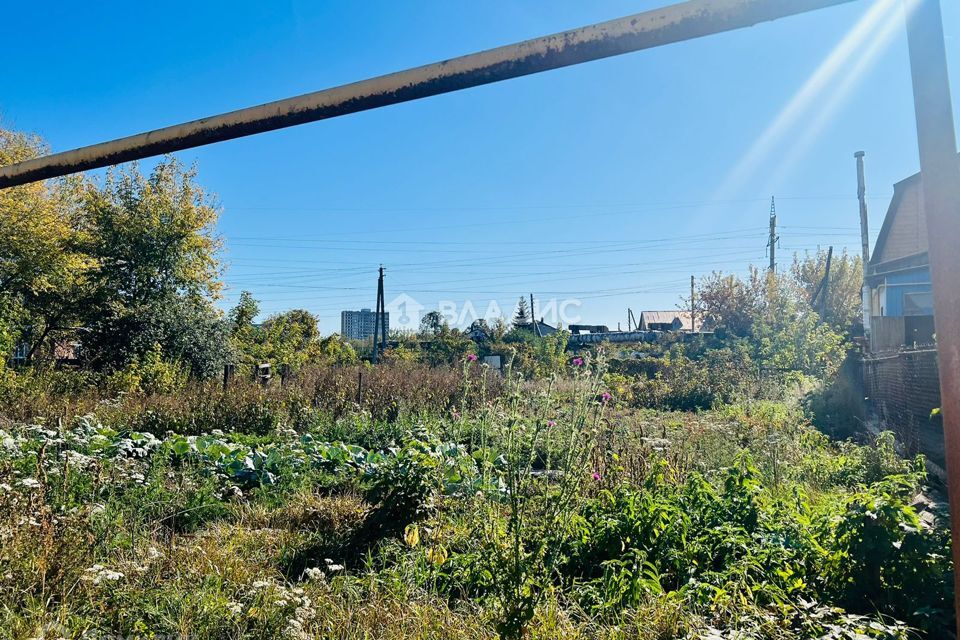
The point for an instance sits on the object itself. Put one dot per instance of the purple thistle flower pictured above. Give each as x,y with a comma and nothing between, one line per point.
471,357
551,423
595,476
606,397
578,362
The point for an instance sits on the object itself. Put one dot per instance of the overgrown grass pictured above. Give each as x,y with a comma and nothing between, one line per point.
312,397
477,509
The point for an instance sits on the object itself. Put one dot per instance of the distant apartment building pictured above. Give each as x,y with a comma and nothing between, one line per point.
359,325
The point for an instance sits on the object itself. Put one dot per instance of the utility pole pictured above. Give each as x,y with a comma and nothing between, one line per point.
819,297
533,317
693,308
774,238
826,285
379,321
383,315
865,304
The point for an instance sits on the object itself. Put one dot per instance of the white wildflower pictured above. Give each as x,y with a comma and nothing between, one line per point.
315,573
98,574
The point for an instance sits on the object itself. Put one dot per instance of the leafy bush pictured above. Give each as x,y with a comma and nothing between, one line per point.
717,546
677,382
883,557
151,374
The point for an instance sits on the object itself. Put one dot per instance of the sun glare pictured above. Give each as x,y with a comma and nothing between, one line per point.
817,101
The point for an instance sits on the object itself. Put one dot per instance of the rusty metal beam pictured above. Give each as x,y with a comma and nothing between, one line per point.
940,185
675,23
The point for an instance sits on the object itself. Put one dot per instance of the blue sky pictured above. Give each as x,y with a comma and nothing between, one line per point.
609,183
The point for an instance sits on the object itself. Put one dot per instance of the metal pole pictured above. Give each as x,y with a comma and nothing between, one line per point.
383,316
533,317
675,23
826,285
772,242
940,184
693,307
376,318
864,245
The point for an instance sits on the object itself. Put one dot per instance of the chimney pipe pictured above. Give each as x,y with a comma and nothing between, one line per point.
864,242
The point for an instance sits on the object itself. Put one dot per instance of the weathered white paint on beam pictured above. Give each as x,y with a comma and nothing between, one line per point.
675,23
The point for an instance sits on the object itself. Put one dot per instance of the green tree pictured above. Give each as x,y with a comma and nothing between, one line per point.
772,312
43,269
241,316
841,306
522,316
153,235
243,333
153,245
188,331
789,336
448,346
431,324
288,338
730,302
498,329
335,351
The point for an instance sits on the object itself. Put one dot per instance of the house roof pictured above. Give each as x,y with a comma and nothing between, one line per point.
904,230
667,317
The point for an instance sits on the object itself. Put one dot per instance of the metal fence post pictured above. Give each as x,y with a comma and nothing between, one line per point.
940,184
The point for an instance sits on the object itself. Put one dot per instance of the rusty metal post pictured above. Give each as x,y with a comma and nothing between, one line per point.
940,184
666,25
